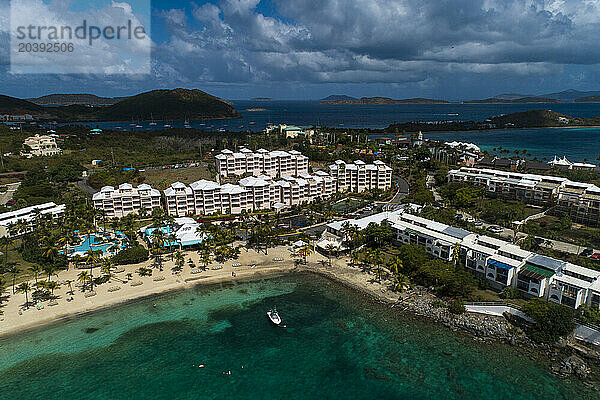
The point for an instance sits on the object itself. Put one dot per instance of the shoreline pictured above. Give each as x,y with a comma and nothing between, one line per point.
17,318
415,303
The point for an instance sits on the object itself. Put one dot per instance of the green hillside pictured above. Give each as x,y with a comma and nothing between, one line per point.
174,104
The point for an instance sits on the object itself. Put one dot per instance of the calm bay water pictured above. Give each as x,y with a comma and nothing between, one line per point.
376,116
576,144
337,345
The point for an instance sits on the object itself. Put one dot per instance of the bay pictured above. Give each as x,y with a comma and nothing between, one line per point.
337,345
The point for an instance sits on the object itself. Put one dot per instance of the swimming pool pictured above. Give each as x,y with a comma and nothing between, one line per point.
94,241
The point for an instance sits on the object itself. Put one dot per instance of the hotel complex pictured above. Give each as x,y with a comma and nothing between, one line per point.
501,263
270,180
251,194
581,201
359,176
262,162
28,215
126,200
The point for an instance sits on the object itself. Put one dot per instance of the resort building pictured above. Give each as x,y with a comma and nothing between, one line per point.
251,194
500,263
182,232
39,146
262,162
126,199
18,222
359,176
566,164
581,201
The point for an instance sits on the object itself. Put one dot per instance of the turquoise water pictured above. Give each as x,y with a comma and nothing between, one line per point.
337,345
88,243
575,143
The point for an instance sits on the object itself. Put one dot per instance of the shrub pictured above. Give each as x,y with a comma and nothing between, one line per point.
510,293
457,307
132,255
552,320
589,314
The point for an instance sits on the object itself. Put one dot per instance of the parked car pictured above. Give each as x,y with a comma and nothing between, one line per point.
458,216
596,256
471,220
495,229
478,223
587,252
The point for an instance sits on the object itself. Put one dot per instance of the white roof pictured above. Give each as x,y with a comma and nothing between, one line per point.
253,182
203,184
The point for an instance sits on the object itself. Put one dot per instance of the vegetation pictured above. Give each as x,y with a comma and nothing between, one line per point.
457,307
176,104
131,255
552,320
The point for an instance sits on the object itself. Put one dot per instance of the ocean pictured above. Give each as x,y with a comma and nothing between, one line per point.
337,345
576,144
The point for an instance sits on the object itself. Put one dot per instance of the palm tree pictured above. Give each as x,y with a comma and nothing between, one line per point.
5,241
50,270
51,286
179,259
36,269
12,268
69,283
25,287
354,258
456,254
399,281
306,251
205,259
91,259
107,267
330,249
84,278
50,251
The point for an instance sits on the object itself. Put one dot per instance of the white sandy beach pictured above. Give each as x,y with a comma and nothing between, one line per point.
17,317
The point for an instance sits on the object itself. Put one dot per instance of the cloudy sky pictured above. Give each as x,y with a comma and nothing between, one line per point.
308,49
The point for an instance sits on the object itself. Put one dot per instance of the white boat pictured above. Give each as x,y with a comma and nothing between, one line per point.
166,126
274,316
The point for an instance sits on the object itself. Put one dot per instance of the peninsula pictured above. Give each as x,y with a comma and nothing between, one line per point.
163,104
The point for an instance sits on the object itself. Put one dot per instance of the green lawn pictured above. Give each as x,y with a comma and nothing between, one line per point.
349,205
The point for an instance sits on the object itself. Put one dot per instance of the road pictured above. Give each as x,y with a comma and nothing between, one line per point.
403,190
11,188
509,234
430,182
83,185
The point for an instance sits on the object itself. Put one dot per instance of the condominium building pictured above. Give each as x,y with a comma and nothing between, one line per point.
359,176
40,145
500,263
126,199
581,201
262,162
10,221
253,193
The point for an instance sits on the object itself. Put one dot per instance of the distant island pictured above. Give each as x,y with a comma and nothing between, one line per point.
566,96
255,109
162,104
518,120
513,101
384,100
338,97
261,99
71,99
